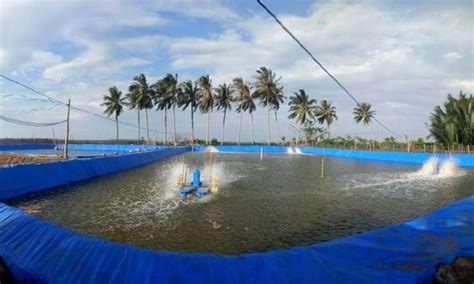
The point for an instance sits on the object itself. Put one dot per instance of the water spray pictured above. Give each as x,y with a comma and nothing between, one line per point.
196,186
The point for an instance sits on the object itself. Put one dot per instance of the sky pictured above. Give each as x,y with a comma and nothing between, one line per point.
401,57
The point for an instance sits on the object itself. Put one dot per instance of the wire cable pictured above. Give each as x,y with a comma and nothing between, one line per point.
317,62
29,123
76,108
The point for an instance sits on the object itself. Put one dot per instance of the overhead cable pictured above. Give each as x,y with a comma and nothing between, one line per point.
29,123
319,63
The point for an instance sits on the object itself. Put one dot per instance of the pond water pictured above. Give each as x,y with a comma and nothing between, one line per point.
279,201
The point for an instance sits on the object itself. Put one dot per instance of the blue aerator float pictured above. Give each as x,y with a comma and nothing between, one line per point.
196,186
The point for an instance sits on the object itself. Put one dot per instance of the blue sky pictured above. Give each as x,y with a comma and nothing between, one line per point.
401,57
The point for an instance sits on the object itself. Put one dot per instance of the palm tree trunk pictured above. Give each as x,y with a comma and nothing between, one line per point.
192,125
329,133
278,128
116,128
298,138
138,126
240,123
174,125
207,131
147,128
223,127
166,125
268,124
251,128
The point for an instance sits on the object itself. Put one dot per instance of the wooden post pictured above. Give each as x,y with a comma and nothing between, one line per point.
66,141
408,143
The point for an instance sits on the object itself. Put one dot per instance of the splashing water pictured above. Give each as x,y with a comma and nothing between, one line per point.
433,168
211,149
292,150
448,168
176,171
429,168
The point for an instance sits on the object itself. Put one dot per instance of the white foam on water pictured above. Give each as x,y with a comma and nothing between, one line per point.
431,171
449,168
211,149
430,167
298,151
290,150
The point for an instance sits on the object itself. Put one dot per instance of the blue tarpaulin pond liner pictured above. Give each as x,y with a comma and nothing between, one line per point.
39,251
6,147
17,180
463,160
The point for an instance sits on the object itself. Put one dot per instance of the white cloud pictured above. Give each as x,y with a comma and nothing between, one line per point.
452,56
402,60
96,61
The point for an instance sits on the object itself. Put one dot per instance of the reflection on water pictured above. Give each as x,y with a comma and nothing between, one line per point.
278,201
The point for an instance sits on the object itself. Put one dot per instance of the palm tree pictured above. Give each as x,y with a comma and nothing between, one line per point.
269,92
162,102
302,108
224,101
207,101
173,97
454,124
191,97
243,91
140,97
249,105
325,113
276,106
362,113
114,105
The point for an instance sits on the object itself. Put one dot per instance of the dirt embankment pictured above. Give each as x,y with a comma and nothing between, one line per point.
11,159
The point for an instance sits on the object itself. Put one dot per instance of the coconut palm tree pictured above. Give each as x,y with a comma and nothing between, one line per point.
191,97
140,97
325,113
362,113
243,91
224,101
302,109
113,104
269,91
276,106
207,101
162,102
453,124
249,105
173,96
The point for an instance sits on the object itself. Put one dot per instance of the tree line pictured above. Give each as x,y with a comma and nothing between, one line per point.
265,91
453,123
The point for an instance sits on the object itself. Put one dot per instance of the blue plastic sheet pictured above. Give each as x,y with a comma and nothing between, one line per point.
38,251
463,160
17,180
6,147
111,147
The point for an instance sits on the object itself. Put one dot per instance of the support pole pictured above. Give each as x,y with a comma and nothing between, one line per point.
66,140
322,167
